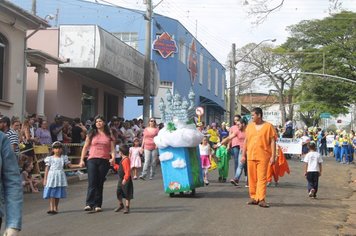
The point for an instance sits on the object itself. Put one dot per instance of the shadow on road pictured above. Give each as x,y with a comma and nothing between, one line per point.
160,209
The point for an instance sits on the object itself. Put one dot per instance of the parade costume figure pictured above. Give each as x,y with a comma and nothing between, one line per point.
278,169
124,184
344,149
205,155
55,180
337,148
223,162
260,147
313,168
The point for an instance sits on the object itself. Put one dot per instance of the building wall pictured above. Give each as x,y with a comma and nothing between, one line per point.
12,102
63,88
116,19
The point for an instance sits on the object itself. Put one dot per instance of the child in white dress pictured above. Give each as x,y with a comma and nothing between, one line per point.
55,180
135,157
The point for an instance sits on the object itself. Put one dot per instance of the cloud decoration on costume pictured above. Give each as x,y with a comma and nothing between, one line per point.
179,163
166,156
184,136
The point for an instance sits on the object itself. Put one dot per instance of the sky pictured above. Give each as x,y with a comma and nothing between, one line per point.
218,24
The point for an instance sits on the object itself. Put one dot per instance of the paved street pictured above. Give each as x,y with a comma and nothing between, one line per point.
219,209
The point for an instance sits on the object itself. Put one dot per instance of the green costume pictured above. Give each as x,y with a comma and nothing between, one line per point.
223,161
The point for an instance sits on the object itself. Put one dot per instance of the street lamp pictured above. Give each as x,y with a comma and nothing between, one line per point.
257,45
233,63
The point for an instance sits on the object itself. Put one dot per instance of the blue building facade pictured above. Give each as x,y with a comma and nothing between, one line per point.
189,67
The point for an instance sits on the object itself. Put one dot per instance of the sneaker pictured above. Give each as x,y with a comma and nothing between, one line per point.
151,178
268,184
234,182
206,182
98,209
141,177
246,186
135,177
87,208
312,193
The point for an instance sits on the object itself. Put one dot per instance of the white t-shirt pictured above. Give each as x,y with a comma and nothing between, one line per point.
313,159
204,149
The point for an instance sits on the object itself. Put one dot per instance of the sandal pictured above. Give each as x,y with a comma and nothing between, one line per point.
252,202
263,204
119,208
127,210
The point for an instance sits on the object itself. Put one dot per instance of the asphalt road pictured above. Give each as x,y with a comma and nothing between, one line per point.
218,209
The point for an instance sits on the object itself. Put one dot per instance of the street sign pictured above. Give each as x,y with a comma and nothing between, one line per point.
325,115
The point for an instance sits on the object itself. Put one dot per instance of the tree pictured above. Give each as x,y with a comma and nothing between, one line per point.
272,70
261,9
325,46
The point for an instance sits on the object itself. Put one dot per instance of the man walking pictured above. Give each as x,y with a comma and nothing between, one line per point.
260,147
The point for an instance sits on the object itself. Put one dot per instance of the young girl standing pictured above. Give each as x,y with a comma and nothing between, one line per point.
134,157
313,169
124,184
205,154
55,181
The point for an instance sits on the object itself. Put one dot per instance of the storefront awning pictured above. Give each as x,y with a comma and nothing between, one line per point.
99,55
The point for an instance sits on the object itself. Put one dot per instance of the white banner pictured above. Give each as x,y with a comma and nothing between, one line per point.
290,145
330,141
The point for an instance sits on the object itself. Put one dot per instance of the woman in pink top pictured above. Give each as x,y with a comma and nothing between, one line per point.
150,149
101,145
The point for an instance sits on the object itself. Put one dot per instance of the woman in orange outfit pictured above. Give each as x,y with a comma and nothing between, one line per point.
278,168
260,147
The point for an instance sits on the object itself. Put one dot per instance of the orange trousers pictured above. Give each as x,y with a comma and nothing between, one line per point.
273,170
257,178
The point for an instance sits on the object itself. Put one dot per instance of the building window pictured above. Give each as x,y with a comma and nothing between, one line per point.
201,68
130,38
222,86
166,83
182,51
209,75
216,82
89,102
3,65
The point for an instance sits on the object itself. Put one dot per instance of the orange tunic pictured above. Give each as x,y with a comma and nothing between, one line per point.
259,141
259,153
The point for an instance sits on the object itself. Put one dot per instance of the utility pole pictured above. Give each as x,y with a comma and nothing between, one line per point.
34,7
232,83
147,66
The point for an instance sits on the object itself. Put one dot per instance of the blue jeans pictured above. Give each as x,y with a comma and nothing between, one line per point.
344,151
313,181
240,167
150,160
11,191
97,169
235,152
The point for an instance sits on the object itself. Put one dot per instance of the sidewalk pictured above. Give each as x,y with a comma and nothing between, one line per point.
349,228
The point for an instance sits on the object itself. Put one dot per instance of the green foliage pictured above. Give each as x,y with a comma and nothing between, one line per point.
171,127
325,46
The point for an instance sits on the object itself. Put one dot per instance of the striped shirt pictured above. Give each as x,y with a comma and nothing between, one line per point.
14,140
